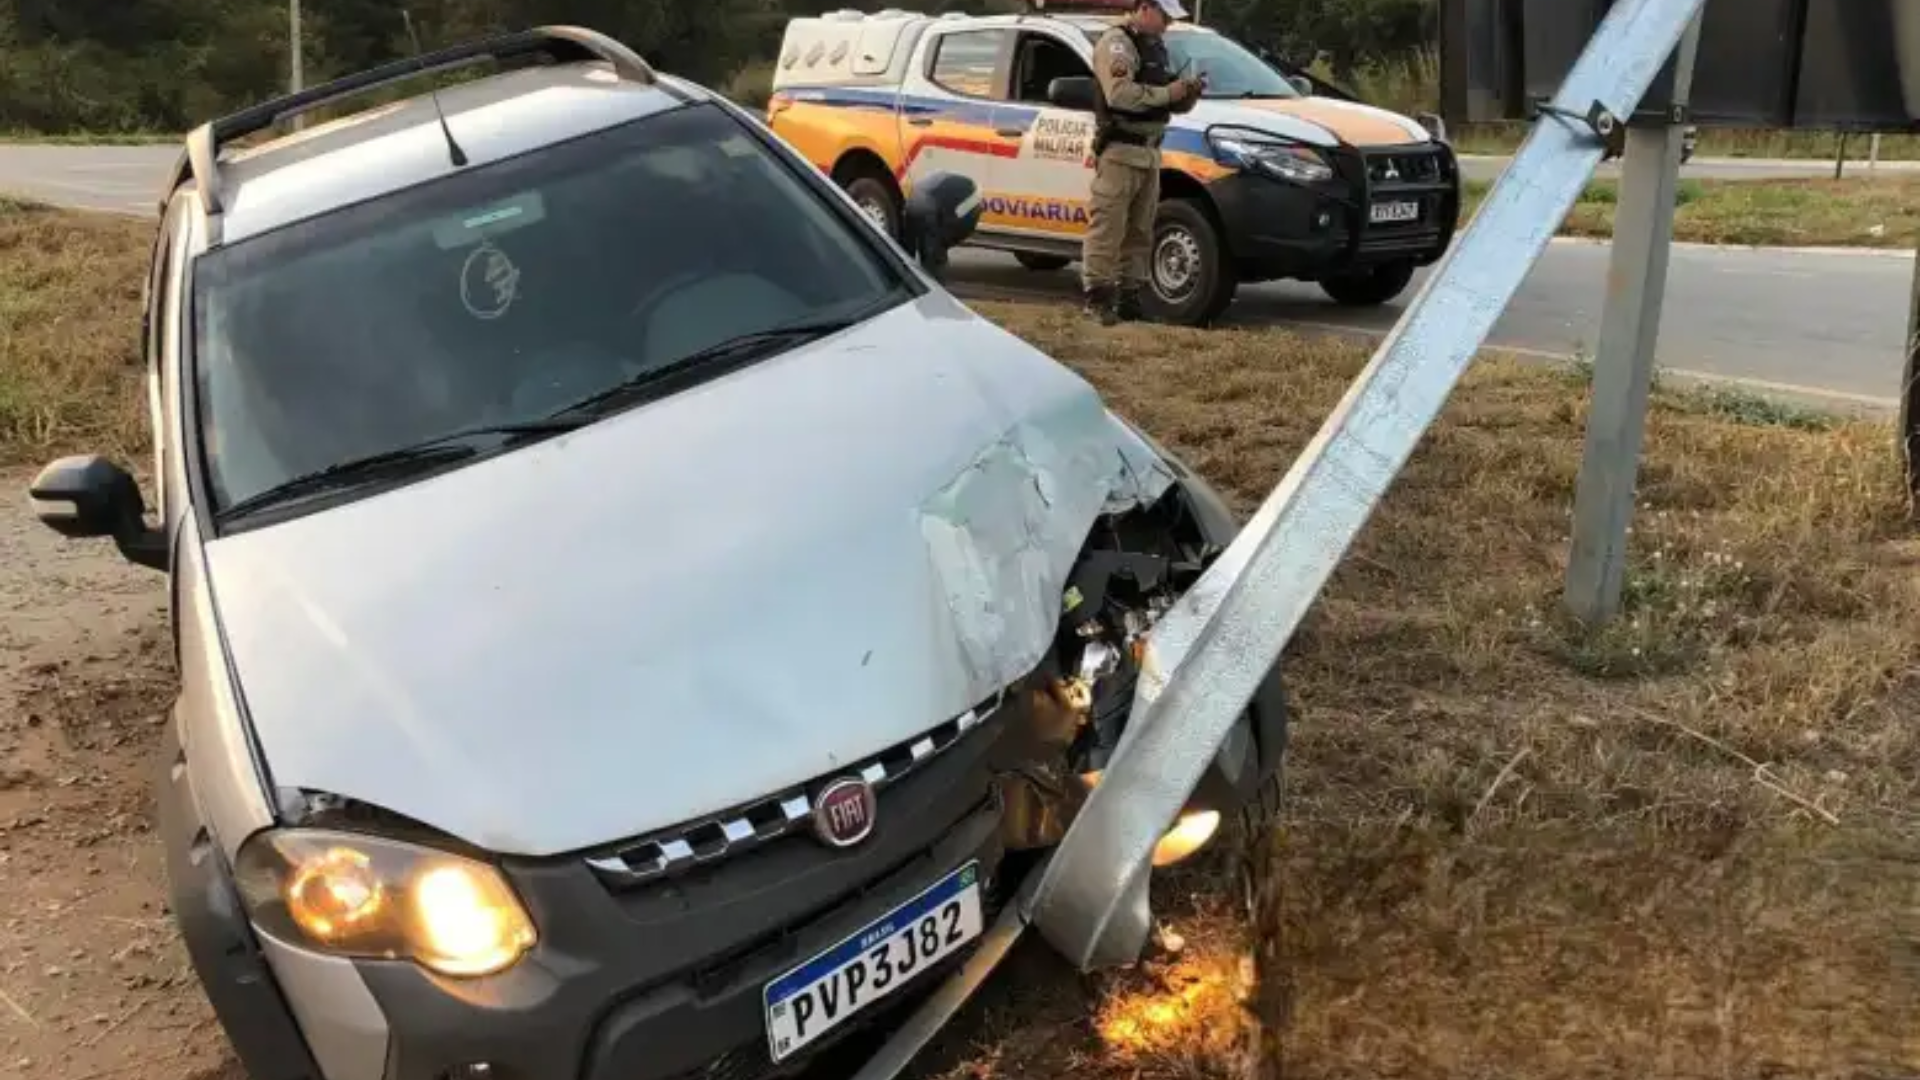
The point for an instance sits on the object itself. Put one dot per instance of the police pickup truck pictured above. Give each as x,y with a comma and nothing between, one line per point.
1261,181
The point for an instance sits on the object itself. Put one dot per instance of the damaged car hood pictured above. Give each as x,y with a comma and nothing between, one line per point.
705,600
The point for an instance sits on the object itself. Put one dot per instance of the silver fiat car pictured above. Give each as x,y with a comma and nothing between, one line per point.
631,621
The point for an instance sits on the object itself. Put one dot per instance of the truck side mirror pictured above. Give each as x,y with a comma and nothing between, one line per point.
941,214
1302,84
1072,92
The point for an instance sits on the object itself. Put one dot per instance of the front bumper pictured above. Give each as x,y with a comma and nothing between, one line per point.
1278,229
636,982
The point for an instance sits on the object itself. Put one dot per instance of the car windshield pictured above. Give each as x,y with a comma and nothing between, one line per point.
1232,70
506,293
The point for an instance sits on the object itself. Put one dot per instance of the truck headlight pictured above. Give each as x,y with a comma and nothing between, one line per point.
1286,161
352,895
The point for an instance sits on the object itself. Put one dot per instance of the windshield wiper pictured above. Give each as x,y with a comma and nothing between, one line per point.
439,450
740,349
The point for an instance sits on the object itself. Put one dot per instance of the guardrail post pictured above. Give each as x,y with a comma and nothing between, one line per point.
1629,341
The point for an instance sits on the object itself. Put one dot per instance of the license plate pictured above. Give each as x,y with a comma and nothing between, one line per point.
1385,213
828,990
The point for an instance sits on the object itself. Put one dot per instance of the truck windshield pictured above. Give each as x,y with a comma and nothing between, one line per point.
1232,70
507,293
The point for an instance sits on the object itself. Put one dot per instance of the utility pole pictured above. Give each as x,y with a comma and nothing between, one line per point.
1629,337
295,81
293,36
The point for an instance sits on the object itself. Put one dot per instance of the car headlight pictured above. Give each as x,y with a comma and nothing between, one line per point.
1286,161
366,897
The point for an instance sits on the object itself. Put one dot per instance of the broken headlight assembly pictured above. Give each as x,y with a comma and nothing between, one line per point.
364,897
1134,567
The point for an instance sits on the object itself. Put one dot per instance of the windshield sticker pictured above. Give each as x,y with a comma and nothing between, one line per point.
496,219
489,282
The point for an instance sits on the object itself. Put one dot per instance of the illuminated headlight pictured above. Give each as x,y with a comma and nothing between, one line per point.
1286,161
364,897
1188,835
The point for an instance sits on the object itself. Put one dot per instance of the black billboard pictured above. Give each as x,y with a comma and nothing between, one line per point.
1835,65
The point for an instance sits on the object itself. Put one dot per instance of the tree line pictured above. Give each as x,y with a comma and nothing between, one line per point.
107,66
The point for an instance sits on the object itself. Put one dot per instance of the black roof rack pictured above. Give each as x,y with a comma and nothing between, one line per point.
560,43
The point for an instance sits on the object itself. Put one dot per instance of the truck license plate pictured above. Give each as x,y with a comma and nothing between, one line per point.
1387,213
828,990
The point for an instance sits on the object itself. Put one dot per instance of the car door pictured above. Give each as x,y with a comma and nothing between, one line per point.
1050,177
950,111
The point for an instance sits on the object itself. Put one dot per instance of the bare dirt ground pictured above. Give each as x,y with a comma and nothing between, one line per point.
94,983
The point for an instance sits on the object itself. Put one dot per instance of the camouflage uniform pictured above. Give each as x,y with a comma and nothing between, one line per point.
1136,100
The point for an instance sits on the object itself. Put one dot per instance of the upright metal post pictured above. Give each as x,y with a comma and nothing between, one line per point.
1623,364
1910,399
1840,158
1873,154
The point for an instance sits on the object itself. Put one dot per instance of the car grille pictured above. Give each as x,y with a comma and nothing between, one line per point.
732,833
1405,166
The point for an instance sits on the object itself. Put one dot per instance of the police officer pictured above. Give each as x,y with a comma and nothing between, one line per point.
1138,94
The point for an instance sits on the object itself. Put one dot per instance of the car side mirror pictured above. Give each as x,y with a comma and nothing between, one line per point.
941,214
88,496
1072,92
1302,84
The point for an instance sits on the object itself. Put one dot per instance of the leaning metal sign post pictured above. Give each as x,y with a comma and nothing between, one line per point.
1207,656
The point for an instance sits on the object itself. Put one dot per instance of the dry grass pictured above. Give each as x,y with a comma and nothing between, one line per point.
1682,846
1881,213
70,376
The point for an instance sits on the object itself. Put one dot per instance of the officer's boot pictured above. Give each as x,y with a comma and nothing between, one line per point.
1100,304
1126,306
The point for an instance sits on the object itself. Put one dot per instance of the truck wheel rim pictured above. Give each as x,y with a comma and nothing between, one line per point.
876,211
1176,264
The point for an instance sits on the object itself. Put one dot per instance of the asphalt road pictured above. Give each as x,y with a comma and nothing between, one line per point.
1817,323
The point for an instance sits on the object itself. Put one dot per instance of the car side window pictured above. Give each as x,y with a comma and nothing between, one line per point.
1041,59
967,62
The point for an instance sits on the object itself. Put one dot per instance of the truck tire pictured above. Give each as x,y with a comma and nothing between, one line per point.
1190,279
877,200
1371,287
1044,264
